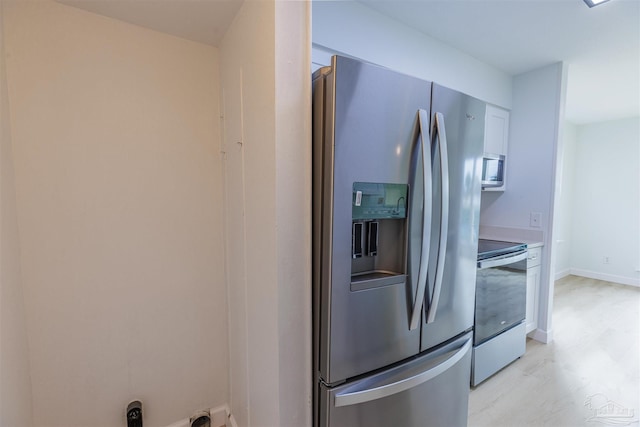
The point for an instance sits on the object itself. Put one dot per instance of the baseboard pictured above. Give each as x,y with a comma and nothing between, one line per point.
541,336
220,416
231,421
563,273
606,277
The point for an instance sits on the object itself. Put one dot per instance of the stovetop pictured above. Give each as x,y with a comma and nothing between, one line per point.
493,248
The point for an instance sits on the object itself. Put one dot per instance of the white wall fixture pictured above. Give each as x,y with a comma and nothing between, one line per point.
535,220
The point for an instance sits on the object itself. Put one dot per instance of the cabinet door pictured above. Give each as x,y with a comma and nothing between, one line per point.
533,285
534,259
496,131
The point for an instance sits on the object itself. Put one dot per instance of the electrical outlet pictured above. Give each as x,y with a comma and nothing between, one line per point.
535,219
606,260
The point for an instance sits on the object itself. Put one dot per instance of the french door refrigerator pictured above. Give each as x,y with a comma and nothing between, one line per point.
396,200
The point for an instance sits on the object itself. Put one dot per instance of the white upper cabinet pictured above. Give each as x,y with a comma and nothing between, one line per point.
496,130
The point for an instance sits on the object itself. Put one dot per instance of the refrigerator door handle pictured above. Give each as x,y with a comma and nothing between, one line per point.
356,397
440,134
423,120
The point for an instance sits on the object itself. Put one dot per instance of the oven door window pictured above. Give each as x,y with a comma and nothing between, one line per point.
500,299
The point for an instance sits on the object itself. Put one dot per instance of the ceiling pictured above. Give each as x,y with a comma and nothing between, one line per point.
601,45
203,21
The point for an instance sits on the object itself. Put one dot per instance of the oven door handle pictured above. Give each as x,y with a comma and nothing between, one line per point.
502,260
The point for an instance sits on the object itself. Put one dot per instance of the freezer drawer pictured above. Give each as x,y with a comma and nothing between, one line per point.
428,391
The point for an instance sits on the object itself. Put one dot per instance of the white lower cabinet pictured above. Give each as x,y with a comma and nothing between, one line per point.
533,288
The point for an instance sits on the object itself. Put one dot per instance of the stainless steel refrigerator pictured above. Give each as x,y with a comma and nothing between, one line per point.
396,200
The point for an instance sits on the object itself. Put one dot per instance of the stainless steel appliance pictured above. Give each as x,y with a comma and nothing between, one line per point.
396,198
501,287
492,170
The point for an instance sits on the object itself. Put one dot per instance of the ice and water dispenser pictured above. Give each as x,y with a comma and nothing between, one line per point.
378,234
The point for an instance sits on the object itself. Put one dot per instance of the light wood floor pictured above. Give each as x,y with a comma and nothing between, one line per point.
594,360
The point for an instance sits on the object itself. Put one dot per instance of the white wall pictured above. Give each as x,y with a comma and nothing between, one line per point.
247,76
534,136
605,201
119,207
293,210
15,379
351,28
264,64
564,241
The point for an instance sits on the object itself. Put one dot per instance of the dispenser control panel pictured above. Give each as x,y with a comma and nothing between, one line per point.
379,201
373,205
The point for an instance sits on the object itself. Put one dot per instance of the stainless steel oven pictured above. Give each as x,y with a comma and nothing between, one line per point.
500,306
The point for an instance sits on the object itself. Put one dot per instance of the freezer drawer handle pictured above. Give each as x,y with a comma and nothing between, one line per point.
426,222
380,392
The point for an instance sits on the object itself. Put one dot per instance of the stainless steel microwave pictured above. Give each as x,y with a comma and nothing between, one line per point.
492,170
